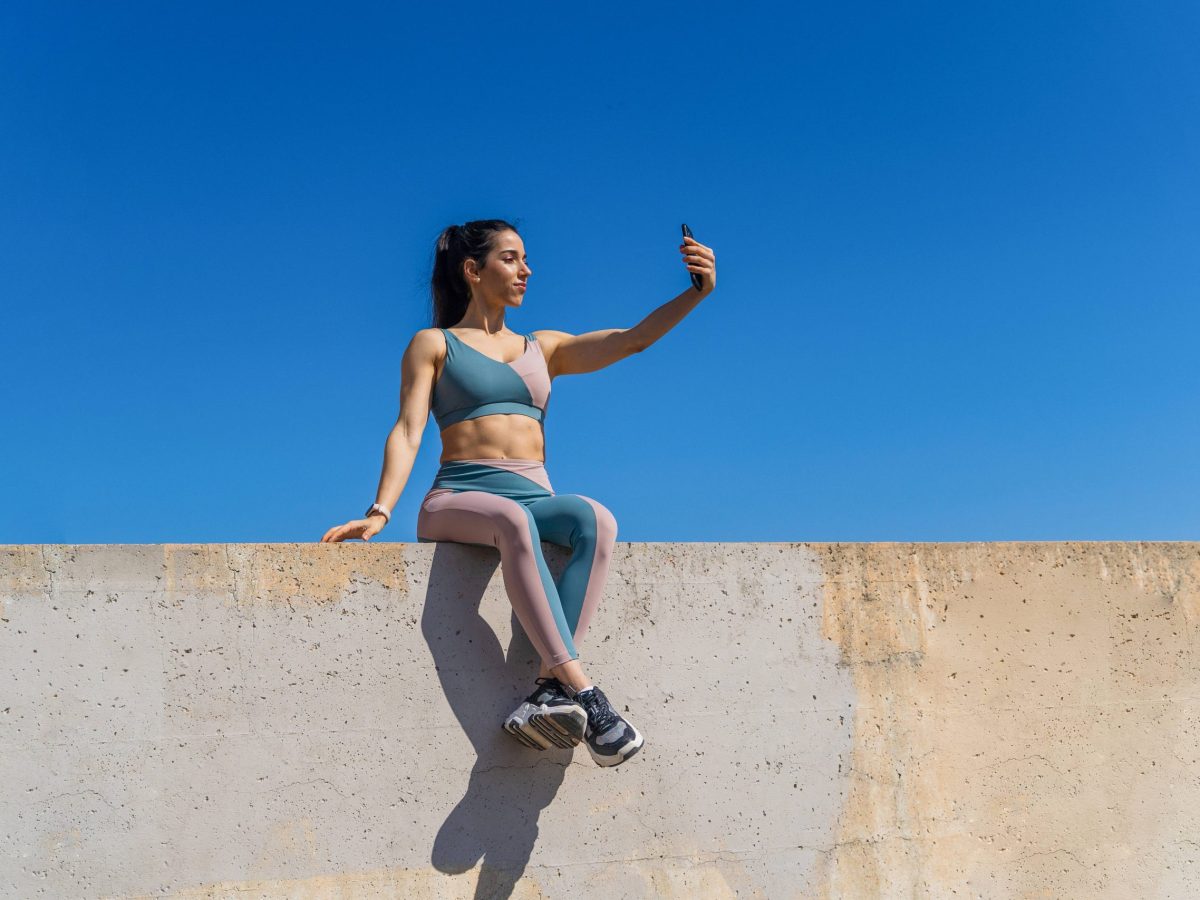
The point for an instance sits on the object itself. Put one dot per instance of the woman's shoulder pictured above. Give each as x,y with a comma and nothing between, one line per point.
428,342
548,338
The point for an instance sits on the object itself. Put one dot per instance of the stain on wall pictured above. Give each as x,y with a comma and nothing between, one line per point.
1026,722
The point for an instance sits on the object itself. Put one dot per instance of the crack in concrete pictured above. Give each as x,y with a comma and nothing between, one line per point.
1003,762
523,766
103,799
237,646
866,842
1062,850
283,787
175,738
49,572
911,657
700,856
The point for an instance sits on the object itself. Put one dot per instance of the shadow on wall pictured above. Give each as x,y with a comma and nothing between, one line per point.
497,819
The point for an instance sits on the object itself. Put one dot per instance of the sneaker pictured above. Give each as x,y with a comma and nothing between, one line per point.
549,717
610,739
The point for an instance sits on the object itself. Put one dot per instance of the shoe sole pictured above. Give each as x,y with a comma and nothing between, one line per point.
544,727
563,727
615,759
519,733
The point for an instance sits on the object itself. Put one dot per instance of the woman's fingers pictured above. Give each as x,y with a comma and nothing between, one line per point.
336,533
699,259
695,256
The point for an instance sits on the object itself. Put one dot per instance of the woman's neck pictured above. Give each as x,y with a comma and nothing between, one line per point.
488,320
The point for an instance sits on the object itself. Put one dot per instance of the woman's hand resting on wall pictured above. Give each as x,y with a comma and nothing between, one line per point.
359,528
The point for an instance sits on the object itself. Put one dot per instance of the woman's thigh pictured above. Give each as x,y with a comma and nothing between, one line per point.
473,517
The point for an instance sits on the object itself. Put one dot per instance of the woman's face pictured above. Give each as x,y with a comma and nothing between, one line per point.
503,278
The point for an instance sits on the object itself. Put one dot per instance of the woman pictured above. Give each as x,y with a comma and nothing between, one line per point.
488,388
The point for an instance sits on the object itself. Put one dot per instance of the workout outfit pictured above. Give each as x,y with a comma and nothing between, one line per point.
510,504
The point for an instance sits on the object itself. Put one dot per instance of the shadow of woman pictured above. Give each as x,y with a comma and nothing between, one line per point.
497,819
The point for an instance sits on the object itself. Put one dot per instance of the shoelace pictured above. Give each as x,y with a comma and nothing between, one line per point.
601,715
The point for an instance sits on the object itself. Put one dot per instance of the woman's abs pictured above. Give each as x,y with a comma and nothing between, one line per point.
494,437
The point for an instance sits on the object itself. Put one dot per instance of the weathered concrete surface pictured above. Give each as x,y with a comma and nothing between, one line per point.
821,720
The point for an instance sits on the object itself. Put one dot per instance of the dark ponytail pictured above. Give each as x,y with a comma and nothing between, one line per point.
455,244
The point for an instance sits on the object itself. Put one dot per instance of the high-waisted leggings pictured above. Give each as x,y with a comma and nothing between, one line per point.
509,504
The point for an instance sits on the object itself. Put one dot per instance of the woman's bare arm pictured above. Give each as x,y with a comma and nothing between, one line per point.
417,371
570,354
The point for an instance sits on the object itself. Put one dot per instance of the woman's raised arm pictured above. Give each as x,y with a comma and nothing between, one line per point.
574,354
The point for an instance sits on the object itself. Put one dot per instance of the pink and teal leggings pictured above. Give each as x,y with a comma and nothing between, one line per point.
509,504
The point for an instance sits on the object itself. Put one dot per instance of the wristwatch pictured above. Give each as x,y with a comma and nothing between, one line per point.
379,508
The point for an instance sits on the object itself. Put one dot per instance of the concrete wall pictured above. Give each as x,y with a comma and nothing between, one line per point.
821,720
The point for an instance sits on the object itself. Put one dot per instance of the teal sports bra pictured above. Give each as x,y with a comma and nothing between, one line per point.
472,384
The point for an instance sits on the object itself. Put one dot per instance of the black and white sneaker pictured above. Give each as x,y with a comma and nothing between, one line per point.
610,739
548,718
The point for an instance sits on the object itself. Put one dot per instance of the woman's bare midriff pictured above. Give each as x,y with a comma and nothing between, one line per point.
499,436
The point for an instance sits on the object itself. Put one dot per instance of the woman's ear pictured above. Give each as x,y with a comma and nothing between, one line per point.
470,269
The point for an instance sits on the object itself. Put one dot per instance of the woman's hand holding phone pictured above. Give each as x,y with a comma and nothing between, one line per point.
701,262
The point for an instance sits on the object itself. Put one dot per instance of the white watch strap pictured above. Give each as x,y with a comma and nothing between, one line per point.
379,507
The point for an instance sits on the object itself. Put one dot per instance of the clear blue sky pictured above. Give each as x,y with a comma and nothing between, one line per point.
958,252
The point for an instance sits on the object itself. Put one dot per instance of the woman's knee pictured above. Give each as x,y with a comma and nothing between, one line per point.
514,529
605,528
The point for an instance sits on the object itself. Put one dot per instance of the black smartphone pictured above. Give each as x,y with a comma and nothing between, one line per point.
697,281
